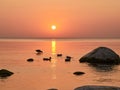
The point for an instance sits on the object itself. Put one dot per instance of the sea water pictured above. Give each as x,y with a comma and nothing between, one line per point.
43,75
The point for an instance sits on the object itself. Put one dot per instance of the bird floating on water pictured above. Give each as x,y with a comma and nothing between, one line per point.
59,55
39,51
68,58
47,59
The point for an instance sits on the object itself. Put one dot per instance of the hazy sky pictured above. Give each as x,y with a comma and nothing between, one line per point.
73,18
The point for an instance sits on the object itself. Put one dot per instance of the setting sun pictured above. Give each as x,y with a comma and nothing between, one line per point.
53,27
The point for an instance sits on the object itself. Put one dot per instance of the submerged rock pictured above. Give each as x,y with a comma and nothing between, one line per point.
101,55
102,67
78,73
93,87
5,73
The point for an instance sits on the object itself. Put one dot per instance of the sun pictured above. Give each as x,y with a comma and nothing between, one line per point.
53,27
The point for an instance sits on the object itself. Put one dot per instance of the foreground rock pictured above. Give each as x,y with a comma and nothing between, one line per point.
5,73
102,55
97,88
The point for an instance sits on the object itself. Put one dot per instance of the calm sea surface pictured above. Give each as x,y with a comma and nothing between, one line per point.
43,75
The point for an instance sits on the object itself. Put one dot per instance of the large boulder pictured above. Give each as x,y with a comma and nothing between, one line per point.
102,55
5,73
93,87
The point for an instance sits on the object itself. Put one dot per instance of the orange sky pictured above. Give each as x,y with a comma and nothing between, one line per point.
73,18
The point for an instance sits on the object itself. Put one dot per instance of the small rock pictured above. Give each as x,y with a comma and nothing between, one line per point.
39,51
78,73
5,73
30,60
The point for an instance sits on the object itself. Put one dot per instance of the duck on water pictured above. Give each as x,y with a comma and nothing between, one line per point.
47,59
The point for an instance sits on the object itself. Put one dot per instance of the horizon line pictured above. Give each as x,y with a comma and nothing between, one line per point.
60,38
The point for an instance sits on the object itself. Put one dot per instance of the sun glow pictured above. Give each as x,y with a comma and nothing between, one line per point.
53,27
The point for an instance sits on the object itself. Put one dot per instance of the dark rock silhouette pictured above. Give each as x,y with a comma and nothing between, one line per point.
59,55
5,73
78,73
101,55
30,60
93,87
47,59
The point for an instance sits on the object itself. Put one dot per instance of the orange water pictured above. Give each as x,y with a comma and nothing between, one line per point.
42,75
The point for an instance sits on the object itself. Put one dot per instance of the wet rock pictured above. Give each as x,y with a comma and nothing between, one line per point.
101,55
93,87
5,73
78,73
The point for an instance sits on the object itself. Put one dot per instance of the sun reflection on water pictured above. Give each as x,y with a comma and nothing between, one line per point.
53,47
53,61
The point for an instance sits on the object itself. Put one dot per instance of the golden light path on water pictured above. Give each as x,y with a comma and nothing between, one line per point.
53,47
53,61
